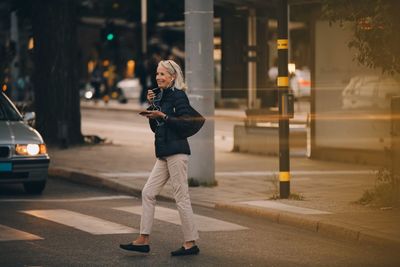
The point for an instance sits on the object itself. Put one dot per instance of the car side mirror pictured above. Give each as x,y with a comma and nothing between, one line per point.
29,118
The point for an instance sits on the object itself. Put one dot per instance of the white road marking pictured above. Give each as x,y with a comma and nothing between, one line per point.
65,199
11,234
81,222
203,223
280,206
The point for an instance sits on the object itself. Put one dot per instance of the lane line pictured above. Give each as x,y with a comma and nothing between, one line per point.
203,223
280,206
89,224
65,199
11,234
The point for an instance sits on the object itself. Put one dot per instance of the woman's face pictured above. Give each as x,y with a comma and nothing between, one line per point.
163,78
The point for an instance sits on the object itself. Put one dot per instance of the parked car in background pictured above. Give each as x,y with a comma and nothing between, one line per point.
23,153
300,83
369,91
87,93
130,87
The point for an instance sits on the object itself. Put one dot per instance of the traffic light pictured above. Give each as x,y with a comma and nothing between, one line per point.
109,34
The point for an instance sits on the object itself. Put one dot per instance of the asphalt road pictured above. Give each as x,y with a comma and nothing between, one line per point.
75,225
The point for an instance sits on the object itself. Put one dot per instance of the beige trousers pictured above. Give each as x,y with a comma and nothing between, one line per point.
175,168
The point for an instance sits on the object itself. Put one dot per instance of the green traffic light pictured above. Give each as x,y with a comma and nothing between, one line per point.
110,36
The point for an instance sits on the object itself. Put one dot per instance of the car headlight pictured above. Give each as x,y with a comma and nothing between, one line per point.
30,149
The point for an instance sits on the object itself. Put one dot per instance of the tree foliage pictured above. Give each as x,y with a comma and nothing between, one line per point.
375,24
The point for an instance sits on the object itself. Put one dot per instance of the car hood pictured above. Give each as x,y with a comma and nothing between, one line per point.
16,132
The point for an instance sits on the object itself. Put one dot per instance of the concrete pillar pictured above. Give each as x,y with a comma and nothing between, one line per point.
199,72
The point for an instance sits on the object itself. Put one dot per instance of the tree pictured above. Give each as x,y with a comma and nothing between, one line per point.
57,104
375,24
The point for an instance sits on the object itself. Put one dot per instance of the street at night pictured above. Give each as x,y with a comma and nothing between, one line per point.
199,133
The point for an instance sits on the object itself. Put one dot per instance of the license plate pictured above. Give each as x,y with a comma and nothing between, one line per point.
5,167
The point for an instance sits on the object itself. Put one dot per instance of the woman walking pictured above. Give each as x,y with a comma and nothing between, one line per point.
169,102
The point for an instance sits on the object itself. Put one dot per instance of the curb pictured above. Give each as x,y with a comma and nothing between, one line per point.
98,182
326,228
221,114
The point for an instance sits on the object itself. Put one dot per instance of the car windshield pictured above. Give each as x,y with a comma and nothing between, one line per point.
7,110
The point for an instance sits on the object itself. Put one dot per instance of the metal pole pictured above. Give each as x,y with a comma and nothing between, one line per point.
15,62
251,55
283,83
199,70
288,35
144,27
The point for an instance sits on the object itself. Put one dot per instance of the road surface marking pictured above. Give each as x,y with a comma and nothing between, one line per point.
203,223
11,234
81,222
280,206
65,199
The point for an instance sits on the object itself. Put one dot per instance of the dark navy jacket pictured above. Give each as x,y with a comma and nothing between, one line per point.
168,140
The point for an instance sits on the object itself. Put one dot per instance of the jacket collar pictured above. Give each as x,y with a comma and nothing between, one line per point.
168,91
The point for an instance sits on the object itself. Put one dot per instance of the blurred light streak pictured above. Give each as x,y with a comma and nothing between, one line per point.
319,117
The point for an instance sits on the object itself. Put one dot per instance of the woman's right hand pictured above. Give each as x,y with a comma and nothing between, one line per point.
150,95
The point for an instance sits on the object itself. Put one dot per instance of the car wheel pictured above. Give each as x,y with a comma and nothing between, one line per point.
34,187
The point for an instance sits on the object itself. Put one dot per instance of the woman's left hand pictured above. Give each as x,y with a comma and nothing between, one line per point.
154,114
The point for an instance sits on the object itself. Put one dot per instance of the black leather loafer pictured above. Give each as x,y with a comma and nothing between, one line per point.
133,247
183,252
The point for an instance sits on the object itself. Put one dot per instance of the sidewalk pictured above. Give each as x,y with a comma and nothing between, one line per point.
232,114
245,185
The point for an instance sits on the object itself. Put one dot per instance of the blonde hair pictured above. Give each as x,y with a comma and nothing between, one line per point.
173,68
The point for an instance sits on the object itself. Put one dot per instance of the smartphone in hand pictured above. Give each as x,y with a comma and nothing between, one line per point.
156,91
144,112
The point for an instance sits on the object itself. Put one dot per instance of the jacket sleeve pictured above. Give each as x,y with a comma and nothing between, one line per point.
152,122
153,125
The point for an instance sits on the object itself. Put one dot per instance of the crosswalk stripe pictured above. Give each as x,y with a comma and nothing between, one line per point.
81,221
205,224
64,200
11,234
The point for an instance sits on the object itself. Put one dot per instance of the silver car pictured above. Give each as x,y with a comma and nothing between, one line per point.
23,154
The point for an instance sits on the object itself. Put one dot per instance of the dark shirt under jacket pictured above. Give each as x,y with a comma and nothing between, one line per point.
174,103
